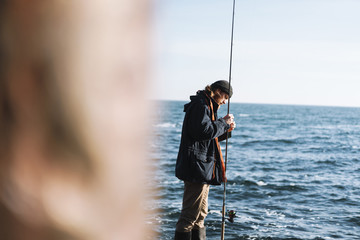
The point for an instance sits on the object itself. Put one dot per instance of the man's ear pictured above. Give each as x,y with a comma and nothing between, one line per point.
217,92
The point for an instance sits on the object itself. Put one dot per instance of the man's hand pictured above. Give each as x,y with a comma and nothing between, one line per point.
229,119
232,126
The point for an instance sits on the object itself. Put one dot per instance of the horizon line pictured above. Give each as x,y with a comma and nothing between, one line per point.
262,103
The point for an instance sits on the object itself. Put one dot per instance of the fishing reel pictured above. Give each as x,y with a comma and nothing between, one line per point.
232,215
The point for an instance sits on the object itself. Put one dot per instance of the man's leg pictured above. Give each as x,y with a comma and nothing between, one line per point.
194,209
199,230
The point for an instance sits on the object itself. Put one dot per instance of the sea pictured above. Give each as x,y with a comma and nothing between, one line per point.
293,173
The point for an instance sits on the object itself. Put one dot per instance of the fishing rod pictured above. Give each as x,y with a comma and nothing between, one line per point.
228,111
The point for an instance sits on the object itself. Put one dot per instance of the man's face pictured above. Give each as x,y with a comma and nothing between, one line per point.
220,97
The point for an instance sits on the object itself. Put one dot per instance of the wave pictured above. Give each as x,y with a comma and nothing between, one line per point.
270,142
354,220
244,136
328,162
247,237
252,183
339,126
290,188
166,125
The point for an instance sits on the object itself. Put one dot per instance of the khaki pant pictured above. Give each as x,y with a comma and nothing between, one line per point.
194,207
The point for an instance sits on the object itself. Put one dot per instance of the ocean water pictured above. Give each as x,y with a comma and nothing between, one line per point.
293,173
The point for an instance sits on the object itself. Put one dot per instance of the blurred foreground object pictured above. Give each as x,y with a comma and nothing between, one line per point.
72,104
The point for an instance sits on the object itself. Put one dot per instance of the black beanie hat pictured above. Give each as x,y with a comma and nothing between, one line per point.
223,85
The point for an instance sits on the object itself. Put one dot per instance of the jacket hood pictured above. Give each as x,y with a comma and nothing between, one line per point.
200,95
192,99
186,106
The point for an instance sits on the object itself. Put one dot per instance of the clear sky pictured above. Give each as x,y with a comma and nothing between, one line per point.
285,51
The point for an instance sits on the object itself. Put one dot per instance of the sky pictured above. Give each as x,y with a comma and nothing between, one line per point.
303,52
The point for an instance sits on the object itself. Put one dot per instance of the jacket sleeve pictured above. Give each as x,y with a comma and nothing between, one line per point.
223,137
199,124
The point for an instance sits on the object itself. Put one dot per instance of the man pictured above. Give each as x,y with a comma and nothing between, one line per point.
200,162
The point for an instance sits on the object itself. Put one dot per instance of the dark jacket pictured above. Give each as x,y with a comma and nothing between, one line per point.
198,151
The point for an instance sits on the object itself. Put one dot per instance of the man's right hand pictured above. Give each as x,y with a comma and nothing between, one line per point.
232,126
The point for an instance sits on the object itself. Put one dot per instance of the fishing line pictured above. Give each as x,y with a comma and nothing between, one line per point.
228,111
